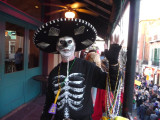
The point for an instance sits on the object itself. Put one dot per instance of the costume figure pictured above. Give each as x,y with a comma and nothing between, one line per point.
70,82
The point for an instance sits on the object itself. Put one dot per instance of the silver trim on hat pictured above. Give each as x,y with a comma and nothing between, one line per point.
43,45
46,24
79,30
53,31
87,42
61,19
40,28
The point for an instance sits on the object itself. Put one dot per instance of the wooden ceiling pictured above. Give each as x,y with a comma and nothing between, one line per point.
106,10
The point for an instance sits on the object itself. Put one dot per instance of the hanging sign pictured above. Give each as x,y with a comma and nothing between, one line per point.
149,71
136,82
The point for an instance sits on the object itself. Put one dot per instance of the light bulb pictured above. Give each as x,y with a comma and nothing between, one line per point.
69,14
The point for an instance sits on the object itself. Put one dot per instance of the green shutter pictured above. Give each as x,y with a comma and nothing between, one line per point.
156,56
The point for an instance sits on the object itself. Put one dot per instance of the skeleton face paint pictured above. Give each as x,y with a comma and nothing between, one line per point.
66,46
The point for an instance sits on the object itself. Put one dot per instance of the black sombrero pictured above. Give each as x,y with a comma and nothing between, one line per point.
47,35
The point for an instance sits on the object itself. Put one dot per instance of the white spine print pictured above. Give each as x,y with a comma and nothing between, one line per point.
66,112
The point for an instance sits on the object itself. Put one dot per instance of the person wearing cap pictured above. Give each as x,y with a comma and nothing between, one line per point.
68,94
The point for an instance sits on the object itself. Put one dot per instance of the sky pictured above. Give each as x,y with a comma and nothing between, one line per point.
149,9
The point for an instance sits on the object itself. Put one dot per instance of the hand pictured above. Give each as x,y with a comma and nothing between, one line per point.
116,40
113,53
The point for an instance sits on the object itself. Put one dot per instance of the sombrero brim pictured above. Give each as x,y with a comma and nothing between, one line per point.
47,35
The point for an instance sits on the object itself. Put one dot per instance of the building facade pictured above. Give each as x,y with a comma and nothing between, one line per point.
149,50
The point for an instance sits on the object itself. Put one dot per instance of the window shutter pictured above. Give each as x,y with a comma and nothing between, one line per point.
158,56
155,56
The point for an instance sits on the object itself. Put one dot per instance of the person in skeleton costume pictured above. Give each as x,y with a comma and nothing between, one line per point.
70,82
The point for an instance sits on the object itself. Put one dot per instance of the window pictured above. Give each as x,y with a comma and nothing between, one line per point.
14,48
156,56
33,53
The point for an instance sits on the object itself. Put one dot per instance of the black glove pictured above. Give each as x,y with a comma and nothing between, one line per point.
113,53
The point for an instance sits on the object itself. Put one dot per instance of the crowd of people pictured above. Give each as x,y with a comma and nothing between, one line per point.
147,100
146,96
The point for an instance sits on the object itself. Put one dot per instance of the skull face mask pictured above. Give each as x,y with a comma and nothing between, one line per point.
66,46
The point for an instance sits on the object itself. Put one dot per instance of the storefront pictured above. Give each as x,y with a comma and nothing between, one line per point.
152,74
20,60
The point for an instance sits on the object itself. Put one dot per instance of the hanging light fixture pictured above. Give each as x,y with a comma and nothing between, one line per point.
69,14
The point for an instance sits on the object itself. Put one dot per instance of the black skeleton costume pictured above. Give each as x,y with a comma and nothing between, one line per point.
75,99
76,77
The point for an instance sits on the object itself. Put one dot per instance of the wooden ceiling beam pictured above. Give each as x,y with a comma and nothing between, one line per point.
109,2
103,16
108,10
97,10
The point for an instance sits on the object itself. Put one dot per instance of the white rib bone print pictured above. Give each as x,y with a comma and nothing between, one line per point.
72,92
